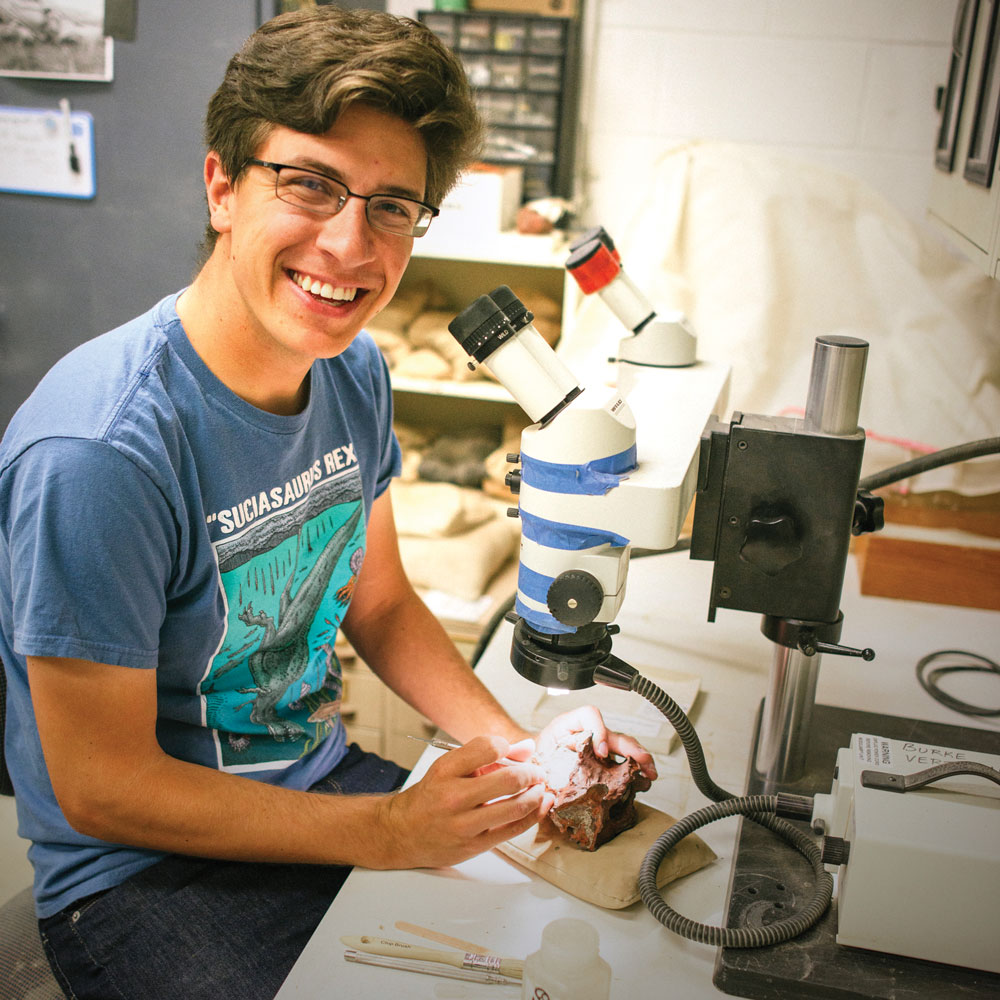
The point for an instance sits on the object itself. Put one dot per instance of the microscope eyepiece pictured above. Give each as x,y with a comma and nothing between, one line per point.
481,328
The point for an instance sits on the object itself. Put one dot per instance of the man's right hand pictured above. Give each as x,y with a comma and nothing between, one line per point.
463,806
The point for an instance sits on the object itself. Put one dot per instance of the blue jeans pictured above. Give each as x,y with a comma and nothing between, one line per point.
191,928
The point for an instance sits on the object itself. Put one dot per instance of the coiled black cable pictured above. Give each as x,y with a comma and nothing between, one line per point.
760,809
928,680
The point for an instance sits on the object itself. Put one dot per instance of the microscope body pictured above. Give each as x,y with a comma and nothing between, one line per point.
612,471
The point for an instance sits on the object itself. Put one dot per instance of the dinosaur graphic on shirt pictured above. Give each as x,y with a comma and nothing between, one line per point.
284,653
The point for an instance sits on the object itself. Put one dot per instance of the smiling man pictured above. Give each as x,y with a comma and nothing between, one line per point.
192,506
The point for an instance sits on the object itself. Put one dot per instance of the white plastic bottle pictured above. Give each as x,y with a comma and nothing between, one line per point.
567,966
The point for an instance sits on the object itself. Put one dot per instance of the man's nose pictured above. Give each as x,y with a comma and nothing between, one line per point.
348,232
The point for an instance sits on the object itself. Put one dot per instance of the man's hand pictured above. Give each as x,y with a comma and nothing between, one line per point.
606,741
466,804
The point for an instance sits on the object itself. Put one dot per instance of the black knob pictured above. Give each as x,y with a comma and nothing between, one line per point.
575,597
771,543
836,851
513,481
869,513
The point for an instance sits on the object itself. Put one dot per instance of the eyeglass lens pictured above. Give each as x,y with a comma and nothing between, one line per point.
323,195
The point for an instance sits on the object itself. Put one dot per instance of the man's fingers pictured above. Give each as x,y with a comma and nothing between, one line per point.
508,817
626,746
522,749
477,753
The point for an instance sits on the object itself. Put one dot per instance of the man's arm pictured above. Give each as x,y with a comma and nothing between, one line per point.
397,636
97,725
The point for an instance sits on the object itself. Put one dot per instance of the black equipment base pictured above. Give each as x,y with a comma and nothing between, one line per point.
769,879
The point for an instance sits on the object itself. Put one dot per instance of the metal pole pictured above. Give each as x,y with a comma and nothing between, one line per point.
835,384
783,741
832,408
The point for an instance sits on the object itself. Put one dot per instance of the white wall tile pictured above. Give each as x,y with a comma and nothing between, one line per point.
713,16
719,87
848,81
774,91
621,174
883,20
899,110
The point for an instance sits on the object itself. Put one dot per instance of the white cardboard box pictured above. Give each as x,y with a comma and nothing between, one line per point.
485,200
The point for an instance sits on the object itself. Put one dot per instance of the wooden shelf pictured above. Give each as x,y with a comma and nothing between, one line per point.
478,389
511,248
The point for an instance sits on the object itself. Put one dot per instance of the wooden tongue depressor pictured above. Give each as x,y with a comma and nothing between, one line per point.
432,935
511,967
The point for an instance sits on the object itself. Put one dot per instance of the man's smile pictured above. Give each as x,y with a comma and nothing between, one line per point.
323,289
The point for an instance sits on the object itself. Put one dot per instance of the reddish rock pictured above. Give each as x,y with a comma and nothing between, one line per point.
595,797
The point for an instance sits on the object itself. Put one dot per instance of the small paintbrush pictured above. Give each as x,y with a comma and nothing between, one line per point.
511,967
440,744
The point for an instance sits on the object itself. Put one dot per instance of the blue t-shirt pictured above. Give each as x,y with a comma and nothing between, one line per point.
151,518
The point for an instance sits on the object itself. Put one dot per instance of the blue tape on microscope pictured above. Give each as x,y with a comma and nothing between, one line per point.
591,478
540,621
558,535
533,584
536,585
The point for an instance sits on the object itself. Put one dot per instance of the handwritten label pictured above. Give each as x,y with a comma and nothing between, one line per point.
918,753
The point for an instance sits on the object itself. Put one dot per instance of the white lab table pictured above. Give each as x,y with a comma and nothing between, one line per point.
495,903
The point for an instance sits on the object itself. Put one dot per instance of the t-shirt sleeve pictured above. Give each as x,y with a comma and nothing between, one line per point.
92,547
391,462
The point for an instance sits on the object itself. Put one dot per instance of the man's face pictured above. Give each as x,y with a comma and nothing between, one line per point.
277,253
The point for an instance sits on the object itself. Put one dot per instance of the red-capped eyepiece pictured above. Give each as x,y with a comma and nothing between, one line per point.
597,233
593,266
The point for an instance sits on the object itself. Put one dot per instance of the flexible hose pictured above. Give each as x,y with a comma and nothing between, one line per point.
959,453
758,808
659,698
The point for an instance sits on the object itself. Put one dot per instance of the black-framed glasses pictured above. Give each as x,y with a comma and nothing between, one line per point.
320,194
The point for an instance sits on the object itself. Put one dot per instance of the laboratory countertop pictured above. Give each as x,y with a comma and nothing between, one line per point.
499,905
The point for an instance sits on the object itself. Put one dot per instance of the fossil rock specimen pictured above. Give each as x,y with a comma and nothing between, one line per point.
595,797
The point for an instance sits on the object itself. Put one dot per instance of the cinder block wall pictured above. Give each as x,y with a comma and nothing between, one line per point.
846,83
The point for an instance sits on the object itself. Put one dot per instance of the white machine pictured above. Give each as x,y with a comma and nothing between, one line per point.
914,833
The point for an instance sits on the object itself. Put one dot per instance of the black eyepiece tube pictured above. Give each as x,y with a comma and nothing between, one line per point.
481,328
517,313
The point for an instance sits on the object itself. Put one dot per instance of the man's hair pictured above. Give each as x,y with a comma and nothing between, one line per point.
304,68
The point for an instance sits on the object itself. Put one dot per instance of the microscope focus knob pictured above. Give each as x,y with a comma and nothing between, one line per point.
575,597
771,543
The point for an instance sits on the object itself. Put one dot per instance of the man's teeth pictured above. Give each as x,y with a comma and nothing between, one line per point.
323,288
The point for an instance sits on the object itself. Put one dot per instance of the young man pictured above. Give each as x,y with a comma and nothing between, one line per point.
190,508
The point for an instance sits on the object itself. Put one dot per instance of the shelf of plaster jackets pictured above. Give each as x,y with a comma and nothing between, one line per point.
445,275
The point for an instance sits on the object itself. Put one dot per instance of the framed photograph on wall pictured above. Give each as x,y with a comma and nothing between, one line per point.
55,40
958,71
982,153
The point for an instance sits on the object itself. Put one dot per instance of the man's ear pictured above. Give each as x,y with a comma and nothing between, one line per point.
219,192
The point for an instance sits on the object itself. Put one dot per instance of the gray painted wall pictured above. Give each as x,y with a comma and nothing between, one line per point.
69,270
